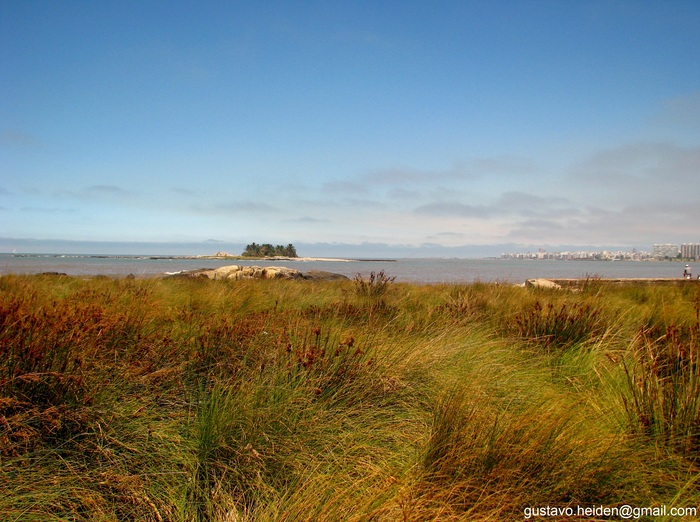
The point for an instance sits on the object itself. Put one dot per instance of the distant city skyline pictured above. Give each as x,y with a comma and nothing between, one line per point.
658,251
365,250
458,128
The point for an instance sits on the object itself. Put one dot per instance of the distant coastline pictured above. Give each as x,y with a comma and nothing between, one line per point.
206,256
422,270
558,256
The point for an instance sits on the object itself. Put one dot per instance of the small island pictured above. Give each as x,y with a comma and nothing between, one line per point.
255,251
267,250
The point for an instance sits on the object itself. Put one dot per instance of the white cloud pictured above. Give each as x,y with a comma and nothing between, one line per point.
639,170
633,224
679,113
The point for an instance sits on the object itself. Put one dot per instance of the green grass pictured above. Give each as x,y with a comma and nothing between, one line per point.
192,400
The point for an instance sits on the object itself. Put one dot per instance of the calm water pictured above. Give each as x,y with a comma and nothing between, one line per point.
431,270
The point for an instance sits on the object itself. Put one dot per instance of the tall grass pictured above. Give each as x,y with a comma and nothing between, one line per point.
375,285
555,327
192,400
663,387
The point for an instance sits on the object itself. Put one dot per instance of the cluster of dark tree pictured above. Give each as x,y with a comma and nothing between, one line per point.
267,250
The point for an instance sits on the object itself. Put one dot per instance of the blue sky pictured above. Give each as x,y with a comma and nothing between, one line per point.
399,128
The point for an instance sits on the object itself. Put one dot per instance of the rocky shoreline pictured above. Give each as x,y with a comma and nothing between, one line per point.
239,272
577,283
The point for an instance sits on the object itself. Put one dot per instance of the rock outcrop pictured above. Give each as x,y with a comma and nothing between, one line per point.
542,283
238,272
251,272
322,275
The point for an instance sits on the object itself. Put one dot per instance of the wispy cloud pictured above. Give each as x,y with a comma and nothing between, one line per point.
367,40
180,191
345,187
47,210
107,190
401,175
400,194
471,169
454,209
91,192
631,224
233,208
17,138
640,169
307,220
681,112
507,204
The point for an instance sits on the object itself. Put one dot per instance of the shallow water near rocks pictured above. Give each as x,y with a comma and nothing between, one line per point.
417,270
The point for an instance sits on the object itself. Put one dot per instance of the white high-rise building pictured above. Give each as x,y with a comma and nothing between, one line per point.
690,251
665,250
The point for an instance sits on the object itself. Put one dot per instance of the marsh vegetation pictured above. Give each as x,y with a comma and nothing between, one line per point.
197,400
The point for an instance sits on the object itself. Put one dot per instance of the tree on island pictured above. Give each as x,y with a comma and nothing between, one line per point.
267,250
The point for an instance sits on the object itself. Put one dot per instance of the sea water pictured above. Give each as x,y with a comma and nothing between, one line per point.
420,270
